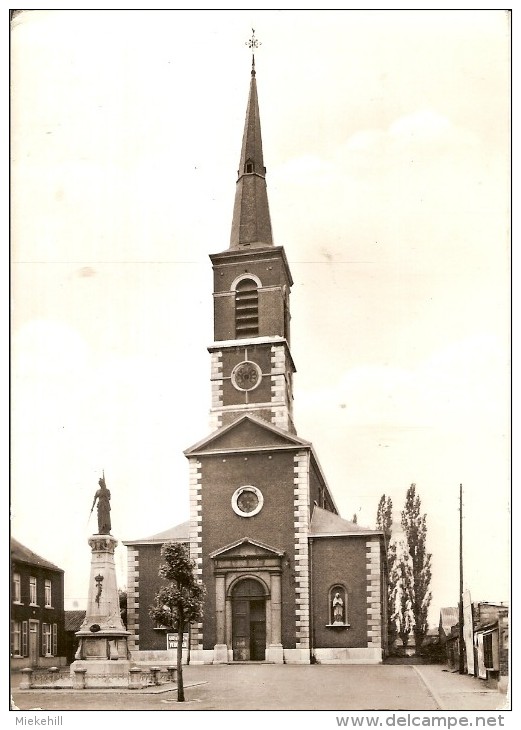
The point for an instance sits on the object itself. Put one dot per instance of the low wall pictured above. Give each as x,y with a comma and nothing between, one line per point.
349,656
18,663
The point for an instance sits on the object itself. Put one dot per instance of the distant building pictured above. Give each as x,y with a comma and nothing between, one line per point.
486,646
448,631
37,610
73,622
287,579
491,643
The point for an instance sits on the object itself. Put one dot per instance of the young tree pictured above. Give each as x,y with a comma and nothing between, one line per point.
180,602
384,521
414,526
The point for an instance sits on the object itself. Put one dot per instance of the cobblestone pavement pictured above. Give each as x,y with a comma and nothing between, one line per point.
287,687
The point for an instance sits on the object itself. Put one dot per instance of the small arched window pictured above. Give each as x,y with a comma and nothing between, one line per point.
338,605
248,588
246,309
248,166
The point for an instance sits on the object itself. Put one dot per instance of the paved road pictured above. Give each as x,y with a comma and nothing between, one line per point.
287,687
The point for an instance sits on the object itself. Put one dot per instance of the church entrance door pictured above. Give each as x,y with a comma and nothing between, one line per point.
249,621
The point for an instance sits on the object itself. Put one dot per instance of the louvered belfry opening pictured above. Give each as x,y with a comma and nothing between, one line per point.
246,309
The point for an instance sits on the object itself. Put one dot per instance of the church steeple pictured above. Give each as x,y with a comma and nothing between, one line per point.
252,367
251,225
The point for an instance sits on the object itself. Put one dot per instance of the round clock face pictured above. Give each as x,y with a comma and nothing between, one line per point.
247,501
246,375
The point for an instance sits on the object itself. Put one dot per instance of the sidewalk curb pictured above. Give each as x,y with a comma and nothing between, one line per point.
435,696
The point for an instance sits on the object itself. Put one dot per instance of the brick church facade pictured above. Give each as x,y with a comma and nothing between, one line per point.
287,579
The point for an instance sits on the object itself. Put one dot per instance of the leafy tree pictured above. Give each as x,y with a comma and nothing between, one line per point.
122,594
384,521
414,525
384,517
180,602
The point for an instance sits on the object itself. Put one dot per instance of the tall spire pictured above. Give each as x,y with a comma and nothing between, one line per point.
251,225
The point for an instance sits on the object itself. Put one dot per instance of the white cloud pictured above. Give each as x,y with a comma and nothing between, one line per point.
424,124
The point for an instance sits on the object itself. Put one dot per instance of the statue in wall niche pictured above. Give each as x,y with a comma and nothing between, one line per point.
338,609
102,496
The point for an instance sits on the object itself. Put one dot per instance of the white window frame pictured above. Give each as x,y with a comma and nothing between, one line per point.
16,638
48,593
17,588
33,591
237,494
55,639
47,640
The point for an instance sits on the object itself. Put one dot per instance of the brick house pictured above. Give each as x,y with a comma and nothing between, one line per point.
491,642
37,610
287,579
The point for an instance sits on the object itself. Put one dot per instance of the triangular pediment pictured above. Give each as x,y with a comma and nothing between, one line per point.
247,433
247,548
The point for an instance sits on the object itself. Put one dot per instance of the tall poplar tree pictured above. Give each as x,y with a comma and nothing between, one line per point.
403,595
384,522
414,526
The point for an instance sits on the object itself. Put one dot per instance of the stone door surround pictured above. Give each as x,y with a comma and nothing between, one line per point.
247,558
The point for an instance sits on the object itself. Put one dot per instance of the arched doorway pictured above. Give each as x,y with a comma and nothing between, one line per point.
249,621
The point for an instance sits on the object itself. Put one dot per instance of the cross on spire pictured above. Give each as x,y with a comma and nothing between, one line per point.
253,43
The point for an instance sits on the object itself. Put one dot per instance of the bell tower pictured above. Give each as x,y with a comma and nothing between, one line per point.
252,368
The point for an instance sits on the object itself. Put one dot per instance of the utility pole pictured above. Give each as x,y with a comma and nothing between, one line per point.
461,636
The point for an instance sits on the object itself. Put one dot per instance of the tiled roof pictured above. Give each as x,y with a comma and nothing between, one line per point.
449,617
22,554
324,523
178,533
74,619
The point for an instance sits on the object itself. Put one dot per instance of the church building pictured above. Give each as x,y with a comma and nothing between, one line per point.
287,579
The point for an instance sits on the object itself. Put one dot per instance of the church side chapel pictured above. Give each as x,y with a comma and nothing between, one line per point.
287,579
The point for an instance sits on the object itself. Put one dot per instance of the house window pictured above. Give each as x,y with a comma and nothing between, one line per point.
32,591
16,638
46,640
48,594
17,592
49,639
246,308
338,605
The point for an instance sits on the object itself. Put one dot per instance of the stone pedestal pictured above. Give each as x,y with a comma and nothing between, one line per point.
103,656
220,654
275,654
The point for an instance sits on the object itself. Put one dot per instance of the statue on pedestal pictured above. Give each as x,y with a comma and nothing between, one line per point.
338,609
103,657
103,498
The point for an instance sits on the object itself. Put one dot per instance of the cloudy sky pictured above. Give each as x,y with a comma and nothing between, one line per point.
386,138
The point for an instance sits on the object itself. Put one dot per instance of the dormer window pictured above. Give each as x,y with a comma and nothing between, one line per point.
248,167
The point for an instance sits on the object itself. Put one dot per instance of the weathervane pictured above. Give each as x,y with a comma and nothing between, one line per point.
253,43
